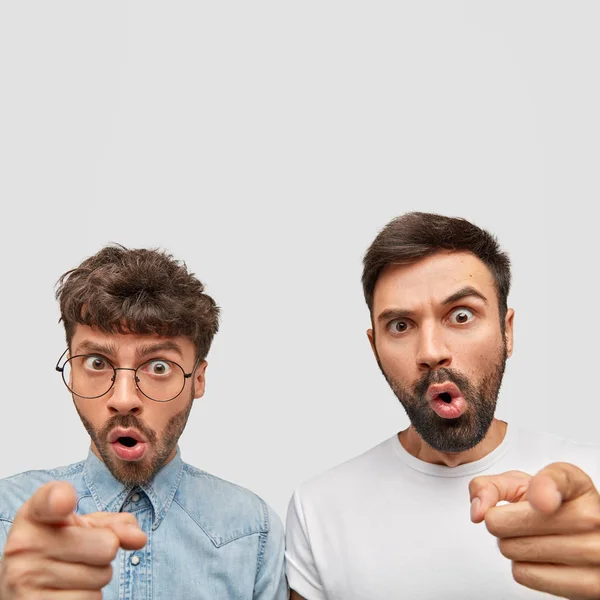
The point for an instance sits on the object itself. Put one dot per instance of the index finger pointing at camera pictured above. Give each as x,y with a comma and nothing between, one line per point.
52,504
558,483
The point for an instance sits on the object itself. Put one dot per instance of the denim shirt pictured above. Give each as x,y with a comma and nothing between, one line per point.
208,539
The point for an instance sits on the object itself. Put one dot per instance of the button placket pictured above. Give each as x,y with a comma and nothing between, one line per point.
135,577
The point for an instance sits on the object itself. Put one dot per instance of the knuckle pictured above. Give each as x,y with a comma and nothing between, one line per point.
11,576
593,515
476,484
594,519
596,584
19,540
588,516
106,575
20,574
589,553
521,572
492,522
112,546
522,549
507,548
108,544
517,473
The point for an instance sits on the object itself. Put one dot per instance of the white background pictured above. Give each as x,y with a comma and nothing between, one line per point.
266,144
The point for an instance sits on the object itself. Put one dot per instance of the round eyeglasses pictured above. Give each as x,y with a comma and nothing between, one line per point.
92,376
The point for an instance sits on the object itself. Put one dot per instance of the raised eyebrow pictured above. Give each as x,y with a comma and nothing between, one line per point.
464,292
92,347
158,347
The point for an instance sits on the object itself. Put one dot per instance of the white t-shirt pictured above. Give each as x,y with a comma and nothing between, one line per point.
387,525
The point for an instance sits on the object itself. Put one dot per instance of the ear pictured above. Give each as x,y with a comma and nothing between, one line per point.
199,378
371,336
508,329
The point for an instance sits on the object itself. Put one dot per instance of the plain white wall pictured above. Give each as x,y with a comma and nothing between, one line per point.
266,144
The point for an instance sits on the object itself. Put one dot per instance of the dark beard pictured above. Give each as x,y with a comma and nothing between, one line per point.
464,432
143,471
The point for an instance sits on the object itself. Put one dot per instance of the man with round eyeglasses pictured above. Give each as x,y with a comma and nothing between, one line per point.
133,520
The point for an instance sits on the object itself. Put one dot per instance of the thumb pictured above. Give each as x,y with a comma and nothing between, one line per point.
487,490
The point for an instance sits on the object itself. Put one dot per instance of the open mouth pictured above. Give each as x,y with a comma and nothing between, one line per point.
446,392
128,442
445,397
446,400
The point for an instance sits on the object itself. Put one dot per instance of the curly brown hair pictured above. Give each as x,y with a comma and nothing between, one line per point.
139,290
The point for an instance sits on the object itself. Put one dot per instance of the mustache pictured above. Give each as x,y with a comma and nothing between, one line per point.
441,375
125,421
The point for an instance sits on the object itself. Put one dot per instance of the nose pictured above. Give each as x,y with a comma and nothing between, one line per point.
432,352
124,397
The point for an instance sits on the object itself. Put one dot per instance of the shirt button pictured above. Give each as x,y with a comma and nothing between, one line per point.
135,498
135,560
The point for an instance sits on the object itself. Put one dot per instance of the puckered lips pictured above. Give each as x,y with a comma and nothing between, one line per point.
446,400
127,443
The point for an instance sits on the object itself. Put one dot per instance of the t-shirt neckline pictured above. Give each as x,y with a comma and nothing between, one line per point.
465,470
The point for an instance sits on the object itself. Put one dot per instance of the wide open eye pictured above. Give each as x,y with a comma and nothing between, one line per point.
399,326
158,368
461,316
96,363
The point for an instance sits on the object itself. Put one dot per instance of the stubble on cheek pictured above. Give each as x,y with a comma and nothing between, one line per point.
469,429
158,450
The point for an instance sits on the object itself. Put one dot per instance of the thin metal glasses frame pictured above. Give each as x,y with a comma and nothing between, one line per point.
61,370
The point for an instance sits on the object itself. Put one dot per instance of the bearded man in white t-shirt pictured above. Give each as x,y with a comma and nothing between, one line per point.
395,522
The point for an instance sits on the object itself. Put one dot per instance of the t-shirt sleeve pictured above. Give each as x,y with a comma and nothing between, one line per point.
302,572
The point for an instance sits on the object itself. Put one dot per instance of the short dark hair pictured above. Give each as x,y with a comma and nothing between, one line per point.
415,235
142,291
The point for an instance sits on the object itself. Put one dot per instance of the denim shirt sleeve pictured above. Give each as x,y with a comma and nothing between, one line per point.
271,583
4,527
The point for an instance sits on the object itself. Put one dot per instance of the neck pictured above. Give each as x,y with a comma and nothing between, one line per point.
413,443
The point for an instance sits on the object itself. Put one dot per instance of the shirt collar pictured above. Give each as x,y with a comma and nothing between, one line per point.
110,494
